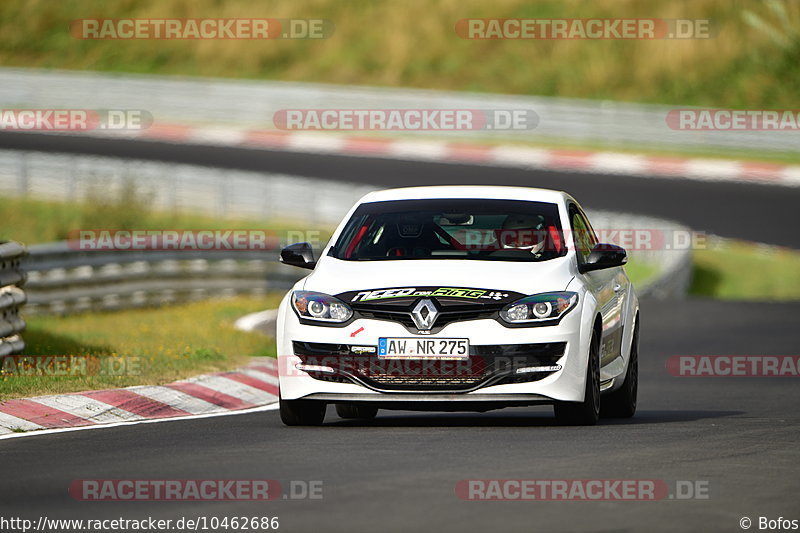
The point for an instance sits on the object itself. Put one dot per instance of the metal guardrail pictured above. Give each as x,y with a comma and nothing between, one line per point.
252,104
674,265
12,277
179,188
62,280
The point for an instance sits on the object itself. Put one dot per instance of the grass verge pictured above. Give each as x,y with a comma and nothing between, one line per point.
31,221
750,59
737,270
146,346
639,272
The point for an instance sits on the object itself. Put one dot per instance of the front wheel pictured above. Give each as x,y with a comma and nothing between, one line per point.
587,412
302,412
622,402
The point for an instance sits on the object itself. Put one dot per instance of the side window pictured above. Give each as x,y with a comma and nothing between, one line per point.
582,234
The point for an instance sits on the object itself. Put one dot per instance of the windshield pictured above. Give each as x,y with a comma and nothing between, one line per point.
501,230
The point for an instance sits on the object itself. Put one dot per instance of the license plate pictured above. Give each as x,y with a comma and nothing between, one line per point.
416,348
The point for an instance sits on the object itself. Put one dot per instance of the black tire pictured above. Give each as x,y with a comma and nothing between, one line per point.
302,412
362,412
622,402
587,412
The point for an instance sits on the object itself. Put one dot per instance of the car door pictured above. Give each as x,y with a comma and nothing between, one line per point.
608,287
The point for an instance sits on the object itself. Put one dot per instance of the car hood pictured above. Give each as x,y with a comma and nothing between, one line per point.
335,276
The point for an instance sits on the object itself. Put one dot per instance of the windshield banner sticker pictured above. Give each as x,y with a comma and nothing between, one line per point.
442,292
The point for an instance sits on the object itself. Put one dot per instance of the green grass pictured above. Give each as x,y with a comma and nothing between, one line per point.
639,272
735,270
413,43
32,221
152,346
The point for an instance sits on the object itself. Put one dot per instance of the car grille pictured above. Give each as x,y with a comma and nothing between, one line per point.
486,365
447,315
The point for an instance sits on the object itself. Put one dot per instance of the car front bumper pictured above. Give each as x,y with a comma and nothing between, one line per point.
503,385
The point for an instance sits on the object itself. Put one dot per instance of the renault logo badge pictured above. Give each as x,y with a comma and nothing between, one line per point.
424,314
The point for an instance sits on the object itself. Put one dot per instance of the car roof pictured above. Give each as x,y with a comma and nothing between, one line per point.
468,191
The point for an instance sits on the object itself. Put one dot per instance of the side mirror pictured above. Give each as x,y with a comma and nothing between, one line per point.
300,255
604,256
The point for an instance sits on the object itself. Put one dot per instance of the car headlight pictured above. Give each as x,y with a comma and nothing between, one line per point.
319,306
544,307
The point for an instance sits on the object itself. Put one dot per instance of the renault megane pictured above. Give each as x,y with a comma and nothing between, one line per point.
459,298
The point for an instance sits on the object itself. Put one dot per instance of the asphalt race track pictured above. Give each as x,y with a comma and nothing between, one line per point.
738,436
399,473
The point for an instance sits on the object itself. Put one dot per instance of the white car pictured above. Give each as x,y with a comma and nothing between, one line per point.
459,298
